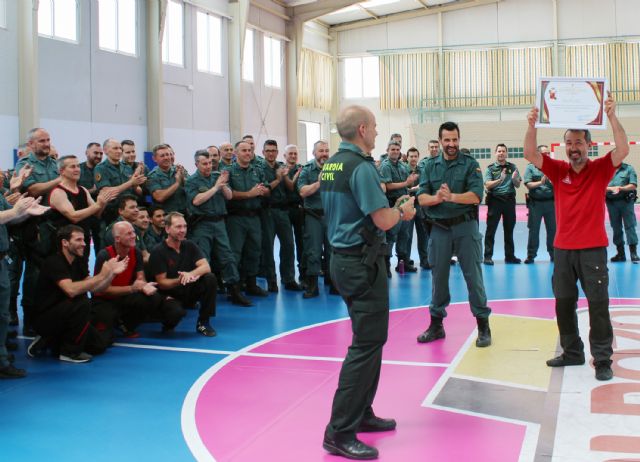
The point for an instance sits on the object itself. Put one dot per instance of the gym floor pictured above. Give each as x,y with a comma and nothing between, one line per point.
262,389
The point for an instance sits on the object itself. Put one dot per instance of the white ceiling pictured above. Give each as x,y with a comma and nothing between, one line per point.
369,9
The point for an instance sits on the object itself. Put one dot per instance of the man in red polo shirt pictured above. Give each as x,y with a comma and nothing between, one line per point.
580,245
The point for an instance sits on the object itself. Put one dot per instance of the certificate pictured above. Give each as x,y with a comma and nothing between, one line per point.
571,102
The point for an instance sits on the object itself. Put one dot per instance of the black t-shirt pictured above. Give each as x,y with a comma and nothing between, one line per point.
54,269
164,259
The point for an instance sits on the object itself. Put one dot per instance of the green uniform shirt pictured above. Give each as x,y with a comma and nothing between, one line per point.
108,235
293,197
394,172
158,179
43,172
242,180
278,194
87,176
350,191
107,174
494,171
543,192
461,175
625,174
308,176
196,184
4,235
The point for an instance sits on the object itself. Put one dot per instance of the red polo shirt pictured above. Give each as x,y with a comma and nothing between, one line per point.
580,201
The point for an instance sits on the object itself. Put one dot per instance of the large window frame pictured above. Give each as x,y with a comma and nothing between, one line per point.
272,62
355,84
248,71
173,35
209,43
117,26
55,22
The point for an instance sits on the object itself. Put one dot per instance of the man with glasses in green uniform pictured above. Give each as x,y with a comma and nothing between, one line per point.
277,222
621,195
358,214
247,184
315,236
207,192
451,188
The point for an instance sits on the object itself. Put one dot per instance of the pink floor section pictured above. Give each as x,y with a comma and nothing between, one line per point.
275,409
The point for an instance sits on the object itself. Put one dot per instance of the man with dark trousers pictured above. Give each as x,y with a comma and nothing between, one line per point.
541,206
182,272
581,238
358,214
501,180
451,188
621,195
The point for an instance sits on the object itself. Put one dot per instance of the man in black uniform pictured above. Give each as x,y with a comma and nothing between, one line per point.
358,215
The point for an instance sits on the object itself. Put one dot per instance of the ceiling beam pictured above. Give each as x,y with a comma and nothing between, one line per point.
421,2
410,14
369,12
314,10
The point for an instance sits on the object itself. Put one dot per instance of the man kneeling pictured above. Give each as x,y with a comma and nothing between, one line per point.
130,299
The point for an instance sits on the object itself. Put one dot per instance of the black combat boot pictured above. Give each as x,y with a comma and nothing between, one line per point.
620,256
253,289
312,287
235,296
484,333
434,332
633,253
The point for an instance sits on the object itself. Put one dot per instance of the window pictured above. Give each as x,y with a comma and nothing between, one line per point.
209,30
3,13
515,153
173,37
272,62
361,77
247,56
480,153
311,131
117,26
58,19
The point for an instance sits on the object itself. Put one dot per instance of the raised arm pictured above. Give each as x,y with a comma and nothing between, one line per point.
531,139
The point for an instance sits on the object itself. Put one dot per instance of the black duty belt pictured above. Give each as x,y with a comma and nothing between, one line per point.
213,218
449,222
245,212
280,206
535,199
2,255
357,250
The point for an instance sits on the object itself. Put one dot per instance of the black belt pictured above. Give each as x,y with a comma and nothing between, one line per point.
280,206
449,222
541,200
213,218
245,212
2,255
357,250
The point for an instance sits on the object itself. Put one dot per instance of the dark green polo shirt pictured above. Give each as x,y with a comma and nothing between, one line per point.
278,194
542,192
43,172
308,176
196,184
350,191
107,174
394,172
494,171
461,175
242,180
158,179
87,176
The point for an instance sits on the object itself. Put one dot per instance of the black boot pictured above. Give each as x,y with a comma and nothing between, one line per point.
484,333
312,287
633,253
253,289
620,256
235,296
434,332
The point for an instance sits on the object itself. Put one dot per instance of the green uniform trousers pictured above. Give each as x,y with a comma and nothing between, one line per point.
213,240
365,291
537,211
245,237
315,244
466,241
622,213
278,224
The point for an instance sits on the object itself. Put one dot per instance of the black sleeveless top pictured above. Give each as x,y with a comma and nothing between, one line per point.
78,201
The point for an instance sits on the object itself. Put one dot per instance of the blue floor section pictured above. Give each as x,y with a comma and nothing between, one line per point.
126,404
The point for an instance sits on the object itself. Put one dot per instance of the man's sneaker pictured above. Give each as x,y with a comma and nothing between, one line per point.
205,329
12,372
562,361
529,260
603,372
37,347
81,357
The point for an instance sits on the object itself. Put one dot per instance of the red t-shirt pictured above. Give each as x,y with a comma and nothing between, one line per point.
580,201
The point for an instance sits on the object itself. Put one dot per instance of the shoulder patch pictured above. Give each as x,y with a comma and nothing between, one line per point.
98,177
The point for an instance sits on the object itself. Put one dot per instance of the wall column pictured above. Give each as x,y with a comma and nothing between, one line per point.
28,100
155,93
